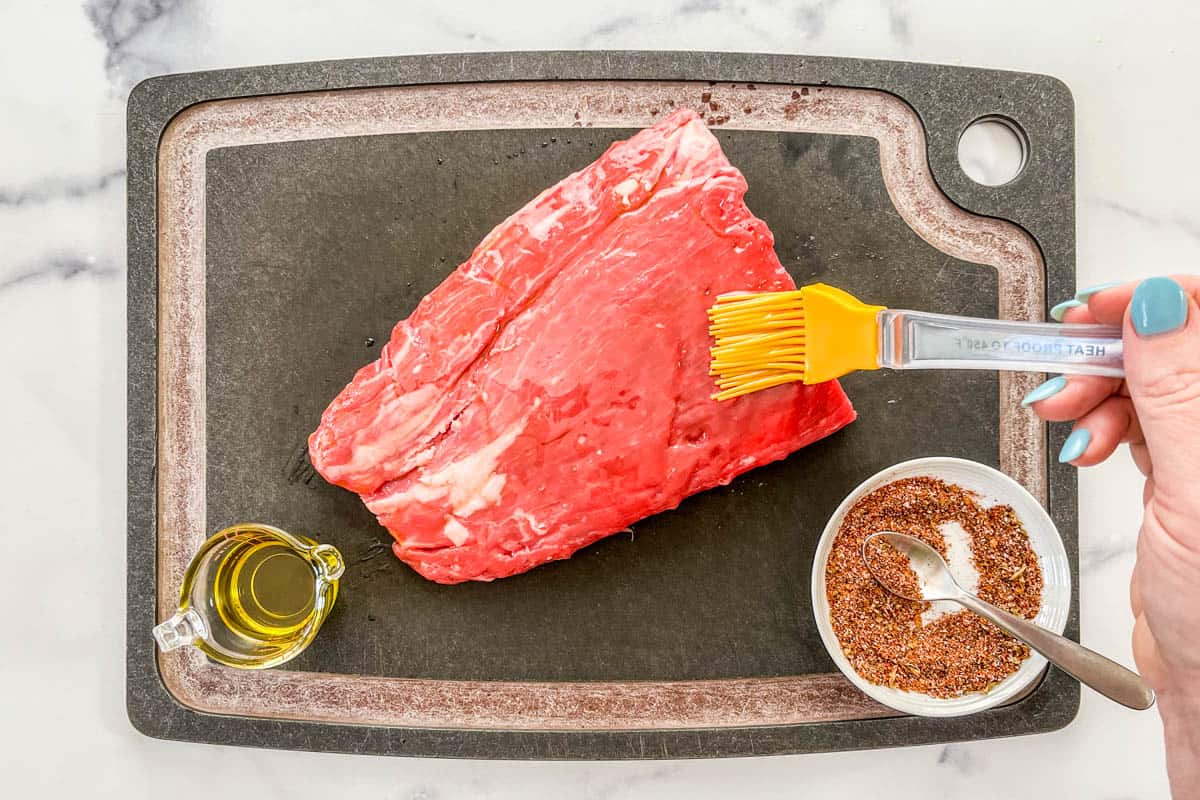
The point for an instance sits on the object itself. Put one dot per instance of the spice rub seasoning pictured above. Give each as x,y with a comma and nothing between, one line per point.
883,635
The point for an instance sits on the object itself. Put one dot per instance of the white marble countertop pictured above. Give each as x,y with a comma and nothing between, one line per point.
65,71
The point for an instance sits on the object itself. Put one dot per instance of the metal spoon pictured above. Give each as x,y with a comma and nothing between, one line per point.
936,583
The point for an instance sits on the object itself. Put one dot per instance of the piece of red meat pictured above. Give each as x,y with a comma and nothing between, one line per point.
555,388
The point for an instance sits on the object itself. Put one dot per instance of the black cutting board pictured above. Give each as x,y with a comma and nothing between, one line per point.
314,248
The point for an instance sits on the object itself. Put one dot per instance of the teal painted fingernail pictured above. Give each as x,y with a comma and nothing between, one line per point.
1074,446
1057,312
1159,305
1083,295
1047,389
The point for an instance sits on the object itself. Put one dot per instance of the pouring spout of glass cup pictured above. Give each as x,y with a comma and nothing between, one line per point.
182,629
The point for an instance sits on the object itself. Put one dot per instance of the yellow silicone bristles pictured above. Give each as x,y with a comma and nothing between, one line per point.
813,334
759,341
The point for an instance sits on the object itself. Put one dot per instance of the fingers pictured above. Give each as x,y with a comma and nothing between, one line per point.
1108,305
1065,398
1079,315
1161,325
1098,432
1162,366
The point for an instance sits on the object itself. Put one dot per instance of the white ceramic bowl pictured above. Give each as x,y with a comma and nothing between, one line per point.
993,487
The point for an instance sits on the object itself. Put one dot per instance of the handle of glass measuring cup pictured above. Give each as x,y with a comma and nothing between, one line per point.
329,561
919,340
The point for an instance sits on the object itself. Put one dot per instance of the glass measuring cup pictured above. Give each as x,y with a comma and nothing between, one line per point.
253,596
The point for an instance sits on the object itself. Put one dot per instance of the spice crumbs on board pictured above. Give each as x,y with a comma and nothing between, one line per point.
883,635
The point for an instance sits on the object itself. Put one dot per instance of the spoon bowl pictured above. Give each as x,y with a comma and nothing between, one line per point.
934,581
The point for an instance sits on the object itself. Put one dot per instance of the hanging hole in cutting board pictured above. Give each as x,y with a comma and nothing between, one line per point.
993,150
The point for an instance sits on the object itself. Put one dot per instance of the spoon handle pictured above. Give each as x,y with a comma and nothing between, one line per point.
1107,677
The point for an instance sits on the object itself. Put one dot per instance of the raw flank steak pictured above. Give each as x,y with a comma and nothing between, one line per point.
554,388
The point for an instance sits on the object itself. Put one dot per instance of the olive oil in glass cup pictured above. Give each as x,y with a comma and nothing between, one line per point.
253,597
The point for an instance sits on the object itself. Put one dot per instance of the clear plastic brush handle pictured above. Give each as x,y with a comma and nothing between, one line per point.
917,340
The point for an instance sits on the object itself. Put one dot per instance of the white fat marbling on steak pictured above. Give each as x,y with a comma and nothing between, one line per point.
469,484
455,531
625,188
534,526
540,229
400,418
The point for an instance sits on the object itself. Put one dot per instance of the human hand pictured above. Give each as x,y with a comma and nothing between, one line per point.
1156,410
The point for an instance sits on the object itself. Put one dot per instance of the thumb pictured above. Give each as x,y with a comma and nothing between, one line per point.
1162,372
